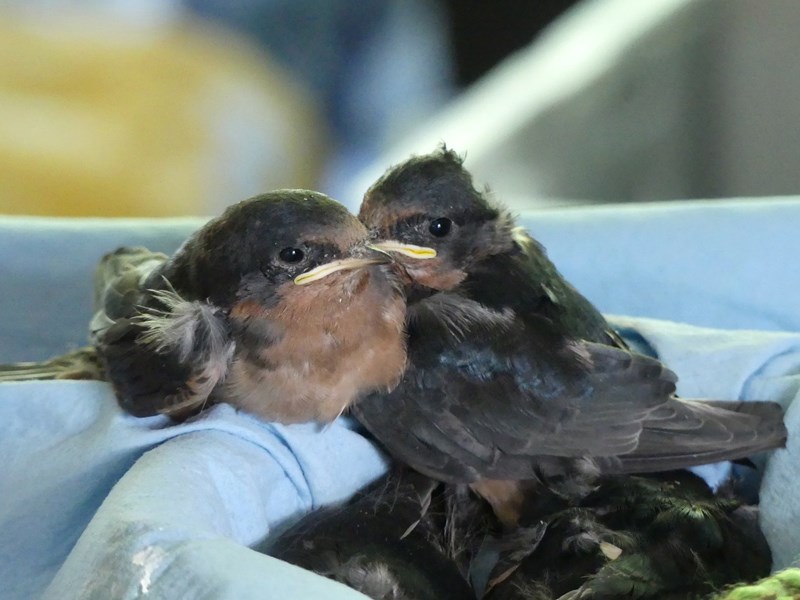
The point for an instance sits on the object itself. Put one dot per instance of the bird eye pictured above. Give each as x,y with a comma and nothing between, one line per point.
440,227
291,255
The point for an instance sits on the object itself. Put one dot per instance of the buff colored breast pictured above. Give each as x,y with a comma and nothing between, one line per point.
332,342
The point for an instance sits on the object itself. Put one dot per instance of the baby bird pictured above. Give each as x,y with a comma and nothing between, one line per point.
664,536
389,542
513,376
278,307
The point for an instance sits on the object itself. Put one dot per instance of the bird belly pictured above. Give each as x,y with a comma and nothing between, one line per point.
325,359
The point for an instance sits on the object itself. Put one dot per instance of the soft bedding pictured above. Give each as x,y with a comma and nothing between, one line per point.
95,503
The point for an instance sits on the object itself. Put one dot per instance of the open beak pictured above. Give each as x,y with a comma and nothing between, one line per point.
377,257
410,250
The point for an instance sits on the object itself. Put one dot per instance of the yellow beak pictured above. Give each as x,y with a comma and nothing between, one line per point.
419,252
345,264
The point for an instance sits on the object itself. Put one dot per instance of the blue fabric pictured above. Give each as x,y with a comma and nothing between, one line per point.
47,272
95,503
723,263
160,508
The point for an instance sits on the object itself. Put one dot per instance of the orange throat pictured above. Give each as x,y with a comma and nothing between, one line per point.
337,340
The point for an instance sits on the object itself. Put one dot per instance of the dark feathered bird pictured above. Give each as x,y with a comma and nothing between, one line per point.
513,374
390,542
277,307
665,537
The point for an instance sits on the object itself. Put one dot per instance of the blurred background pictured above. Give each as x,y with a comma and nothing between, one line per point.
181,107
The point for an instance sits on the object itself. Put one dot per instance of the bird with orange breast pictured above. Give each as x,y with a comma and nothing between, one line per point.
278,307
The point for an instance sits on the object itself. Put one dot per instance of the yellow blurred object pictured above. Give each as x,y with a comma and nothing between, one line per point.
100,118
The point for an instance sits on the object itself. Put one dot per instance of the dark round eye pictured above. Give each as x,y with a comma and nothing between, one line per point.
440,227
291,255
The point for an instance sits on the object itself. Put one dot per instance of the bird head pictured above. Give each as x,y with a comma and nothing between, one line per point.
310,315
262,247
427,213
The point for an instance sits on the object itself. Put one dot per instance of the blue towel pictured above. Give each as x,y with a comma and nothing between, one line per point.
95,503
168,510
156,507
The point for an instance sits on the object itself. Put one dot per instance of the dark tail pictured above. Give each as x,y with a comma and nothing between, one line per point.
83,363
687,433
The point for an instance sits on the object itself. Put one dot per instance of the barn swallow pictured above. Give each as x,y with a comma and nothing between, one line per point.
513,376
388,542
278,307
665,536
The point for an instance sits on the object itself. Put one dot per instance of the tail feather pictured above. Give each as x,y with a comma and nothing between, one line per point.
706,432
83,363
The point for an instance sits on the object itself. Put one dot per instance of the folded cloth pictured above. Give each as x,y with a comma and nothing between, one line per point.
95,503
728,264
184,511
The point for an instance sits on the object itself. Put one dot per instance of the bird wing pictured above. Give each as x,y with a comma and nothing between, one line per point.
163,353
685,433
678,433
527,280
119,284
117,294
490,396
486,395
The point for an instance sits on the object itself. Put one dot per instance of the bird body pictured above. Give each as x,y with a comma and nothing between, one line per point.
513,374
664,536
387,542
277,307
